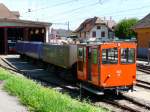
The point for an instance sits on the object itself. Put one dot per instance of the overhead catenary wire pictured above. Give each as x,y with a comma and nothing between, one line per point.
131,9
122,11
111,13
47,7
61,3
73,10
117,13
76,9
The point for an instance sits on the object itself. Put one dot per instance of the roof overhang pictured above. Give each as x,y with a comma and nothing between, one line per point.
22,23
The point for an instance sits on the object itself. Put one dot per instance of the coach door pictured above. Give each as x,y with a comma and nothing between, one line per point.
81,64
93,65
89,67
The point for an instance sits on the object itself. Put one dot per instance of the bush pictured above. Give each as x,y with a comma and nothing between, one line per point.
123,29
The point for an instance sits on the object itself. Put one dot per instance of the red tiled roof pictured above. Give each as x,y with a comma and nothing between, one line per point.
16,13
6,13
89,23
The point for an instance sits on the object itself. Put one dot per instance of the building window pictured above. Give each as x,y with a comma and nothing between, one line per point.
102,34
98,27
94,34
84,34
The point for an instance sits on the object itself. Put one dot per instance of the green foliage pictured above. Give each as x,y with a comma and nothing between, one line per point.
41,99
4,74
123,29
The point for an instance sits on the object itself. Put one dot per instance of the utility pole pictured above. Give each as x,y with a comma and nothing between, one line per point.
68,25
100,1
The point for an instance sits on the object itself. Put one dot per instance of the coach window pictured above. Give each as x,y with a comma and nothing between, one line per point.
84,54
80,61
80,52
127,55
110,56
94,57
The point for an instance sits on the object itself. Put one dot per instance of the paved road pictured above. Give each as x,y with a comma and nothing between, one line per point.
9,103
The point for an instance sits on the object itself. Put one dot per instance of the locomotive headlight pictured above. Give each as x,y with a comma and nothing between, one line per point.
134,82
109,76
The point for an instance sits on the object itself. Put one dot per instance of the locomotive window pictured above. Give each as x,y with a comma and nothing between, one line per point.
110,56
80,52
84,54
80,62
127,55
94,56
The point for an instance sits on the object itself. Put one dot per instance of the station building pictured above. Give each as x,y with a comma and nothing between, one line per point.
13,29
142,28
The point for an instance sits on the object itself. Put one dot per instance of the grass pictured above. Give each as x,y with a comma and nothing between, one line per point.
40,99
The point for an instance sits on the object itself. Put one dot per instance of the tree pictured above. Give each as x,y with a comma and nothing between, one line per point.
123,28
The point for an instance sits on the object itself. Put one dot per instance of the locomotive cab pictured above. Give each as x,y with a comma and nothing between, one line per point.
107,66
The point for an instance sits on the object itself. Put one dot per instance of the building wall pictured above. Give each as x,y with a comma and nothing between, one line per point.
143,38
98,31
82,35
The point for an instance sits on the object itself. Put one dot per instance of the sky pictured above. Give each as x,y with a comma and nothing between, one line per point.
60,12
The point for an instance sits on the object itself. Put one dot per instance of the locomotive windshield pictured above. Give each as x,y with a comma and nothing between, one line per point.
80,52
80,58
127,55
110,56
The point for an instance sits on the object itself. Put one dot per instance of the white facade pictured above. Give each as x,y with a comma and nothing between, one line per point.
98,33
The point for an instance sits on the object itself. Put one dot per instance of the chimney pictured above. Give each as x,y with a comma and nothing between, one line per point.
104,18
110,18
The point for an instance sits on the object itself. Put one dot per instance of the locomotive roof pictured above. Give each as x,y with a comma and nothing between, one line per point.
108,42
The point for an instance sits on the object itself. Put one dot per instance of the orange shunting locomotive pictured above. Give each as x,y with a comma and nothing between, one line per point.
107,66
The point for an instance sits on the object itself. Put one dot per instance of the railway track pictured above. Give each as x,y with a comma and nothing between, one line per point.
42,81
143,68
143,84
125,104
128,104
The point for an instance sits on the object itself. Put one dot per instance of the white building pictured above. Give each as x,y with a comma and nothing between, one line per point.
95,28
